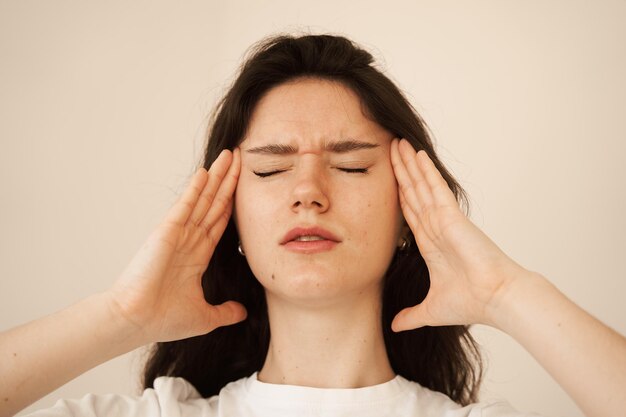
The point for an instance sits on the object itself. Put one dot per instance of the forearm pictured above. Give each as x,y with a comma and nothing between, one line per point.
587,358
40,356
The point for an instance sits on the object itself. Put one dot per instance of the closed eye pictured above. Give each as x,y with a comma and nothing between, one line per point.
354,170
348,170
267,174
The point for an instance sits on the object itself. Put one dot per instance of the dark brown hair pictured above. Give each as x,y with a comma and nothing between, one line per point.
444,359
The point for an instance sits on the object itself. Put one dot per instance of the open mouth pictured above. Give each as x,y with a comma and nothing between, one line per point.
310,244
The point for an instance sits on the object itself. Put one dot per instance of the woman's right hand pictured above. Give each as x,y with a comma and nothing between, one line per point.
160,292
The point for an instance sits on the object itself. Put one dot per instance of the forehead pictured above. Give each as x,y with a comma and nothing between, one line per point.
311,112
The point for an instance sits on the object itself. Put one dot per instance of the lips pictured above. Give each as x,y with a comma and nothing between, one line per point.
308,231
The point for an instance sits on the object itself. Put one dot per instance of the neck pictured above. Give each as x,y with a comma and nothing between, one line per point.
337,346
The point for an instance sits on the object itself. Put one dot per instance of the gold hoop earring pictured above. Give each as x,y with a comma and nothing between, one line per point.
405,244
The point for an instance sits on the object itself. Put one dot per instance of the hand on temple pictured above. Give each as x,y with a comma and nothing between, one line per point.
468,272
473,281
160,291
158,297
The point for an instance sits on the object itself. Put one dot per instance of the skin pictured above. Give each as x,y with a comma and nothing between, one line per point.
472,281
361,209
321,305
143,306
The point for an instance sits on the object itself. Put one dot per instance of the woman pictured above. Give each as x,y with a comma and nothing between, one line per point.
321,266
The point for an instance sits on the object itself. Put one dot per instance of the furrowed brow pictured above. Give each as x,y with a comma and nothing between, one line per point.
273,149
342,146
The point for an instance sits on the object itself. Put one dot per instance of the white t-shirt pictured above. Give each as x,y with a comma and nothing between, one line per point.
175,397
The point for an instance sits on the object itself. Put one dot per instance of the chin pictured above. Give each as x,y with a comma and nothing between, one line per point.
314,289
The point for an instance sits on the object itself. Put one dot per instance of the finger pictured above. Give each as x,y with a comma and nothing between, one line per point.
216,174
442,194
216,231
404,180
411,218
225,314
180,211
410,318
224,193
421,186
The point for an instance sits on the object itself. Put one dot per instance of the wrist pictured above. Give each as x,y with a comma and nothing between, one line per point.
522,288
126,329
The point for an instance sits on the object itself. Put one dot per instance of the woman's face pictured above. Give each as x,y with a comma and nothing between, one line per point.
316,205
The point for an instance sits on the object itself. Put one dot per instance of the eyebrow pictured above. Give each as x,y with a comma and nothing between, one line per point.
342,146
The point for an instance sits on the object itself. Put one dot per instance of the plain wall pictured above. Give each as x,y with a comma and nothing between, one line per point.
104,106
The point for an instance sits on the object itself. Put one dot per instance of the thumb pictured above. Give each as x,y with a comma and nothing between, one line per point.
225,314
410,318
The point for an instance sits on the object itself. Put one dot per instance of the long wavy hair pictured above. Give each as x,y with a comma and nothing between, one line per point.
444,359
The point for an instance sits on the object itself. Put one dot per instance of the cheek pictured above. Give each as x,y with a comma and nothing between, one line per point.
245,200
374,215
254,215
389,221
259,226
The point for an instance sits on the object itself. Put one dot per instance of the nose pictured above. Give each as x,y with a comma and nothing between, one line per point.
310,188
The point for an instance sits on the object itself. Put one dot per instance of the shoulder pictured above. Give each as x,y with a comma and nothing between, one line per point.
434,403
171,396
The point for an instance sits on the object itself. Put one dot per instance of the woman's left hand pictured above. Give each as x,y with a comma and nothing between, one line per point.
468,272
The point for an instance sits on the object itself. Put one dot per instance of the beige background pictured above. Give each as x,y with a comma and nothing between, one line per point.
103,108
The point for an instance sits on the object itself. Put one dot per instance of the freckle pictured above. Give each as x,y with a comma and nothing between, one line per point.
326,338
317,285
6,400
273,276
14,354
